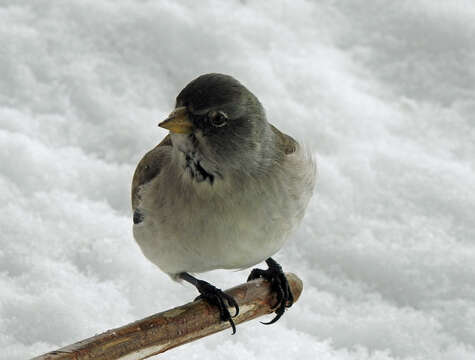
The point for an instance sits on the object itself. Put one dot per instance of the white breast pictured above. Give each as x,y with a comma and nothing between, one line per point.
234,223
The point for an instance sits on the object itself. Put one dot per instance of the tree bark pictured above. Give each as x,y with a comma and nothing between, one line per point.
160,332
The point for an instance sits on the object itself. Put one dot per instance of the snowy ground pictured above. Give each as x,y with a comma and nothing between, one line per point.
382,91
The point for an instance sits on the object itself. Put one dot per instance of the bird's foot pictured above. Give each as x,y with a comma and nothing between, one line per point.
217,297
279,285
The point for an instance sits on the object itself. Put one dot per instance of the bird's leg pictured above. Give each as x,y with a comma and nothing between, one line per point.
279,284
214,296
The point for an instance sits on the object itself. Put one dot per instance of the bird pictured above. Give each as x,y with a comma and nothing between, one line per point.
223,190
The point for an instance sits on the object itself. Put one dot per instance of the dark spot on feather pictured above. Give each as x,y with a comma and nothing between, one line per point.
138,216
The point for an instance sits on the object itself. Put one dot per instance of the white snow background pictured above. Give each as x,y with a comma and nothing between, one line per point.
382,91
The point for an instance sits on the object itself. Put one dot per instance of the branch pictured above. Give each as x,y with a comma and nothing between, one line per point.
160,332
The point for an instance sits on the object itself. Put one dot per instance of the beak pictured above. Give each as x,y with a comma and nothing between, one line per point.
178,122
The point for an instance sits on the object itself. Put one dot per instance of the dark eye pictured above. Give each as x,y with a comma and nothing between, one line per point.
217,118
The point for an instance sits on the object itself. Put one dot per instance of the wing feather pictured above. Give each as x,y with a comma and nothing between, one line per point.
146,170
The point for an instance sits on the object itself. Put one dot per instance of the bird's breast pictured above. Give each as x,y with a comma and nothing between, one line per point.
195,227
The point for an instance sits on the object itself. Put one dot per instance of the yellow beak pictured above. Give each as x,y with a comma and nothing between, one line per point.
178,122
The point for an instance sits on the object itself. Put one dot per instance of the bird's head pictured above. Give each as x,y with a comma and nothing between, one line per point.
219,125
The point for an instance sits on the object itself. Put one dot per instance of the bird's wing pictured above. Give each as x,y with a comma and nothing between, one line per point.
287,143
147,169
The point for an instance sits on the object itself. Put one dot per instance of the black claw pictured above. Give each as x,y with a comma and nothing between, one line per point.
290,297
233,303
279,285
233,326
279,313
218,298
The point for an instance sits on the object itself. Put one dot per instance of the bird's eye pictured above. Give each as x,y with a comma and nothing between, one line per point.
217,118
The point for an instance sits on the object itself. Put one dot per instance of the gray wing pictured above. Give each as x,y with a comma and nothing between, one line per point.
287,143
146,170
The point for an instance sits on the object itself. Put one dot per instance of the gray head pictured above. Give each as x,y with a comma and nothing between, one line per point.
220,122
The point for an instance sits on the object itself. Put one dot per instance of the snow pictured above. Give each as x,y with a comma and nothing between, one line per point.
384,94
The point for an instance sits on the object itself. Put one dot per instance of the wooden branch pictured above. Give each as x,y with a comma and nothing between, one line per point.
160,332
